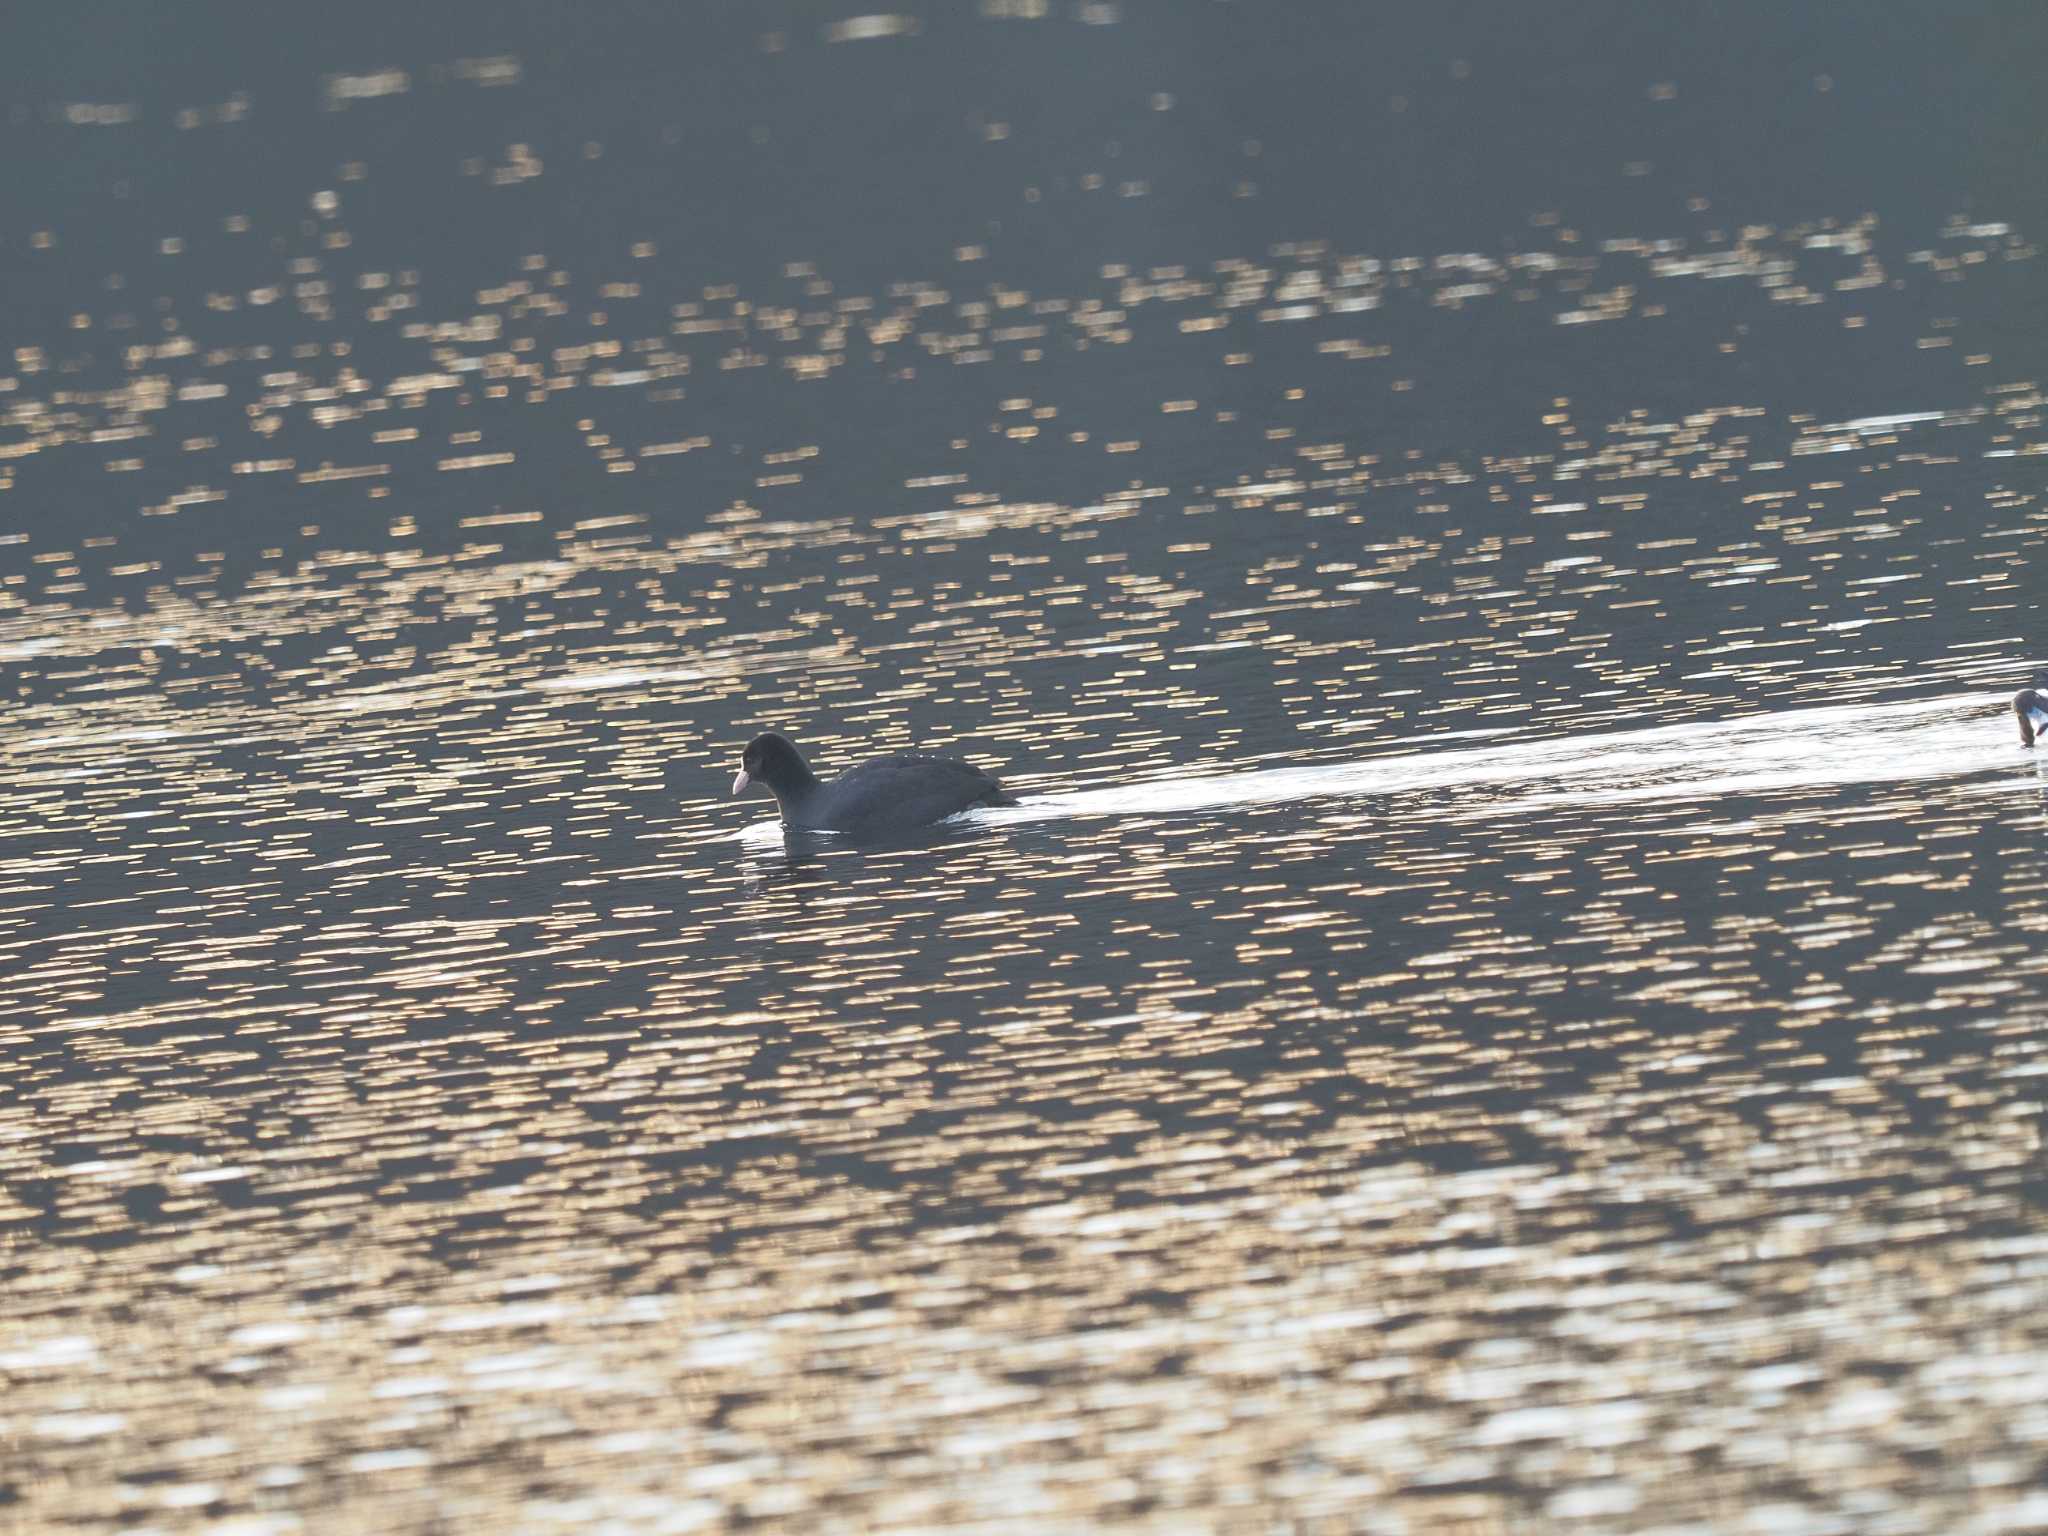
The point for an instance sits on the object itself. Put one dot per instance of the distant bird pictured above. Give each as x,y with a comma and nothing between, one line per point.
887,794
2031,705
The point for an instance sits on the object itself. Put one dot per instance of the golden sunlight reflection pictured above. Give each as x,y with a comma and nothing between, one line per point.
1511,996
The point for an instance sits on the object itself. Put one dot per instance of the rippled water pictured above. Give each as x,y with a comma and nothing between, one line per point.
1512,998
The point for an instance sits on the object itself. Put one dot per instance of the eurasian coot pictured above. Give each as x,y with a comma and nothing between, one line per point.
2031,705
890,794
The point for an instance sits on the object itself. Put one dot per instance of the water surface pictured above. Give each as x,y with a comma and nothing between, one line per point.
1512,997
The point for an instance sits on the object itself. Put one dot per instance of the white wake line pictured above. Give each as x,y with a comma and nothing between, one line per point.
1953,735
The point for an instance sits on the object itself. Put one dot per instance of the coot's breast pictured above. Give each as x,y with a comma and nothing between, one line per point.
897,793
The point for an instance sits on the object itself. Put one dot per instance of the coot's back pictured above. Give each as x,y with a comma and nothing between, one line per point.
893,794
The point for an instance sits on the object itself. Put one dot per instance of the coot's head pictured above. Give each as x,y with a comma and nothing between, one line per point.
770,759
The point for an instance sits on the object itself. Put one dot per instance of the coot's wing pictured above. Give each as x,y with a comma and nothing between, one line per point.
896,793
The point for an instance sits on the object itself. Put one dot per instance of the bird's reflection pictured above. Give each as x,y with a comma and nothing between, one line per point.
800,849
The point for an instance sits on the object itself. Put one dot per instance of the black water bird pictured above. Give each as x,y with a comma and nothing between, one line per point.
2031,705
888,794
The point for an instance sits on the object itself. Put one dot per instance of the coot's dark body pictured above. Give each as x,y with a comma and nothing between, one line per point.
889,794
